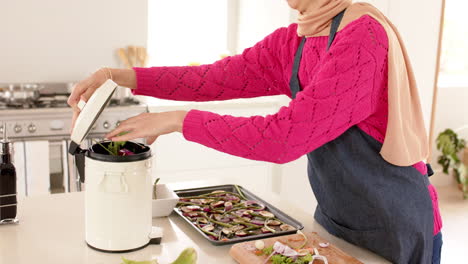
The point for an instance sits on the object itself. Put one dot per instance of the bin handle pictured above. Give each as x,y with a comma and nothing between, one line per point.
113,182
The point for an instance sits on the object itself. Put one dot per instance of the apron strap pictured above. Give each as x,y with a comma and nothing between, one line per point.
334,28
430,171
294,84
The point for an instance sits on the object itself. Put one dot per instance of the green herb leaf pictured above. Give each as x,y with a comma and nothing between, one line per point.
267,251
188,256
127,261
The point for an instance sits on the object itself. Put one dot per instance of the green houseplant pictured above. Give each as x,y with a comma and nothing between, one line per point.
450,145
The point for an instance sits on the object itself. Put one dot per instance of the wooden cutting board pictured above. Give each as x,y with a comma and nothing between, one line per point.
244,253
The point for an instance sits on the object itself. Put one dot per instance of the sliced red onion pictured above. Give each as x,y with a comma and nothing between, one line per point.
265,231
125,152
247,213
227,206
191,214
232,198
217,217
257,222
217,204
255,203
202,220
206,209
284,250
212,237
194,207
324,245
239,212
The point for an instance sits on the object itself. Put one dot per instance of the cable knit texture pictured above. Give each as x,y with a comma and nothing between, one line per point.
344,87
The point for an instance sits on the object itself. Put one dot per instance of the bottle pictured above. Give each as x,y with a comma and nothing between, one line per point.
8,201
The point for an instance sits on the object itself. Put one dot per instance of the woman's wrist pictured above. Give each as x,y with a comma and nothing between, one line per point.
179,117
124,77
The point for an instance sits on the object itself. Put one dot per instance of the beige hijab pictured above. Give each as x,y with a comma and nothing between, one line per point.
406,141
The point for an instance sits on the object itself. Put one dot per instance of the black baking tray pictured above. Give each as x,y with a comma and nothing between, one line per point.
250,196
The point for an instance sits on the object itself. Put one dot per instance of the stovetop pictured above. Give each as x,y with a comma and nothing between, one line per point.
60,102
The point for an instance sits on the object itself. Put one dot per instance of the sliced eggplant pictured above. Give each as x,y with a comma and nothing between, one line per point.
266,214
208,228
241,233
191,214
273,222
217,217
227,231
237,228
286,227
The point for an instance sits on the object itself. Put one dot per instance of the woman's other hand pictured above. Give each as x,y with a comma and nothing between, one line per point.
149,126
85,88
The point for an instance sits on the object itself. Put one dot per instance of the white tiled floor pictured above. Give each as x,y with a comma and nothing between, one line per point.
454,212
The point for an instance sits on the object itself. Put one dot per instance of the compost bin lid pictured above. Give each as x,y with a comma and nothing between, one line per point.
90,112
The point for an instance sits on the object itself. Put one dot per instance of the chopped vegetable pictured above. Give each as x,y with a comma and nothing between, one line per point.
188,256
155,195
116,148
324,245
305,239
259,244
229,215
286,227
126,261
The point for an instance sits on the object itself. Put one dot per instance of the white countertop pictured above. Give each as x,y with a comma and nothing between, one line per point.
51,230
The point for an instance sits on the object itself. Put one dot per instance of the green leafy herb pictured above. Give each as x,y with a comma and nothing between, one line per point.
114,147
126,261
280,259
188,256
267,251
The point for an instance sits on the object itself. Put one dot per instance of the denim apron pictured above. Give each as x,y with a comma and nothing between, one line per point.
364,199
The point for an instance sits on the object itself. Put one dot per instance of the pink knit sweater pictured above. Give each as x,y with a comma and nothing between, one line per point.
344,87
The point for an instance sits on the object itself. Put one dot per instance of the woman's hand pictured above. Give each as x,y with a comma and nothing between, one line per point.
85,88
149,126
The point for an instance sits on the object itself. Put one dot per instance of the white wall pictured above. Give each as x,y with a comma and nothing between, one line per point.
65,40
256,21
452,112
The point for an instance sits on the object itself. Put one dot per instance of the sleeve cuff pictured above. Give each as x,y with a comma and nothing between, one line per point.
193,126
144,79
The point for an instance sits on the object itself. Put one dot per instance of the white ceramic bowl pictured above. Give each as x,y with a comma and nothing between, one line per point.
165,202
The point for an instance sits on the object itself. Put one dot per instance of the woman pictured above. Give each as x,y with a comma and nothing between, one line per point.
355,113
